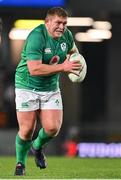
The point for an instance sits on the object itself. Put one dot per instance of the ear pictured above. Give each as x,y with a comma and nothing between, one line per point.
46,20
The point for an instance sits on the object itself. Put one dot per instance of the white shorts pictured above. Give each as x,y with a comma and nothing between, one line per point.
27,100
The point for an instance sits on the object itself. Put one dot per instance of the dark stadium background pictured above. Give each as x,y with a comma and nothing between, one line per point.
92,109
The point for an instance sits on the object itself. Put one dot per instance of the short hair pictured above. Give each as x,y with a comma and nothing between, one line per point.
59,11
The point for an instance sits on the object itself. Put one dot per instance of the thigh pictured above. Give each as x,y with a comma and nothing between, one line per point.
27,122
51,111
26,119
51,118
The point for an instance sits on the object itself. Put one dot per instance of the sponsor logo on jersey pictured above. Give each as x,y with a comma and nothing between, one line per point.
48,50
54,60
63,46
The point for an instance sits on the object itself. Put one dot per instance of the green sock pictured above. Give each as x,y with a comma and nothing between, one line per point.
42,138
22,148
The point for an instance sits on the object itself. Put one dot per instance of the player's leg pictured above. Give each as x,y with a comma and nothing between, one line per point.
51,123
26,105
26,121
51,118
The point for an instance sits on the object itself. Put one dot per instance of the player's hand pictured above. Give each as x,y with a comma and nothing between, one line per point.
71,66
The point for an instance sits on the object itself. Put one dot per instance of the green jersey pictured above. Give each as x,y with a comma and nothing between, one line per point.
39,45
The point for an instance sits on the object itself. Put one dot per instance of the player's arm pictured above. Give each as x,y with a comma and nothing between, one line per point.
72,46
37,68
74,49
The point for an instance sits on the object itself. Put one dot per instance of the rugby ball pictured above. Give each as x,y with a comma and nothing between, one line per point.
81,72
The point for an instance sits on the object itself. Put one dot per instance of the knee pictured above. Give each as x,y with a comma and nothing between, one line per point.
26,133
52,131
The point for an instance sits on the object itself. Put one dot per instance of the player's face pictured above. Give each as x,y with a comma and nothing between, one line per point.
56,26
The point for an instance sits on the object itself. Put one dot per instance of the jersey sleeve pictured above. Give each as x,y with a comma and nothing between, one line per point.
71,41
34,46
72,46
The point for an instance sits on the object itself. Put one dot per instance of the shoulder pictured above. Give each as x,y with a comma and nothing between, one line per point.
68,36
36,38
37,32
68,33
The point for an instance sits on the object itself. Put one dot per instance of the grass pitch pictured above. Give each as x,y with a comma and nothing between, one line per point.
64,168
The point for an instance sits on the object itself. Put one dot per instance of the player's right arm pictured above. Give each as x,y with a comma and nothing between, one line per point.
37,68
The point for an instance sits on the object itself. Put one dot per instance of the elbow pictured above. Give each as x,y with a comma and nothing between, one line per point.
33,67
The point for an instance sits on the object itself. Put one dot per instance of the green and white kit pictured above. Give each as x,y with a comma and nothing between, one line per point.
41,46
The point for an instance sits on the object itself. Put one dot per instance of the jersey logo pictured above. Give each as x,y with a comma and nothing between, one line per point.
57,102
24,105
54,60
48,50
63,46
